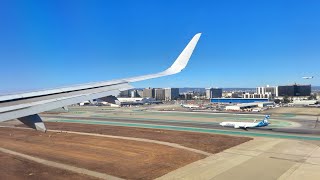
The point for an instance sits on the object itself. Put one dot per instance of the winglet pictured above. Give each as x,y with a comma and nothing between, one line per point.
179,64
183,59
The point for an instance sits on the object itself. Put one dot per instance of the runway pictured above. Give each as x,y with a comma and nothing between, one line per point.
195,126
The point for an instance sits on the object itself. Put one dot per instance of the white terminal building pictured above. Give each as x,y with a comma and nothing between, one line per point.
242,106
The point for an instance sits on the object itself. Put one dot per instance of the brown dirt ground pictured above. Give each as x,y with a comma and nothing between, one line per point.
16,168
212,143
121,158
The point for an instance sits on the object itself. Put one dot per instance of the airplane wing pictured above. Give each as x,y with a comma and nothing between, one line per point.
26,106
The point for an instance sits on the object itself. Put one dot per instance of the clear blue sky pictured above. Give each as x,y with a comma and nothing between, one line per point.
46,44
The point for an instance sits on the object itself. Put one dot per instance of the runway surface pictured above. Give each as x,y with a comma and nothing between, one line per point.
195,126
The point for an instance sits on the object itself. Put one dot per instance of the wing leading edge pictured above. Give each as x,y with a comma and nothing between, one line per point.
25,106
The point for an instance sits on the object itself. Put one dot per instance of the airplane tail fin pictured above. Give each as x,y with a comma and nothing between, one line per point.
266,119
264,122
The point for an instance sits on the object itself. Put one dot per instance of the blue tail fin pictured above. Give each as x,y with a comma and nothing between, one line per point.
264,122
266,118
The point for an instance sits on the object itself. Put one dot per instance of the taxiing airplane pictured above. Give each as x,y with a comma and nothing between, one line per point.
308,77
245,125
26,106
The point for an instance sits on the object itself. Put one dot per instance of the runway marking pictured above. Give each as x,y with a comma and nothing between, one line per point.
174,145
191,129
61,166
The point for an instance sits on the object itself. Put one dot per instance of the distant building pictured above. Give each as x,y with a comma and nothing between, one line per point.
187,95
134,94
270,91
148,93
225,94
171,94
255,95
294,90
232,94
159,94
236,94
139,93
213,93
125,93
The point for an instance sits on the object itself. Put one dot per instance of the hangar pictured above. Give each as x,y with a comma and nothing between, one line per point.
239,107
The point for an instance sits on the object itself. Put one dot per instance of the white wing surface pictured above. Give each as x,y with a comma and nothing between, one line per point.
26,106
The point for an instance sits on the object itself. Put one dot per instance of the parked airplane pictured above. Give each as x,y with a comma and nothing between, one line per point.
26,106
245,125
307,77
189,106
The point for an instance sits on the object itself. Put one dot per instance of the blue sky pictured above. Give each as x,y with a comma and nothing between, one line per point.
45,44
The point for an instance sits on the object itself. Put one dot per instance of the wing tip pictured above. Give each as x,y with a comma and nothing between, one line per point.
198,34
183,59
178,65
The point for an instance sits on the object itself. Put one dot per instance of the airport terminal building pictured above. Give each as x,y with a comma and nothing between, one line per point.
237,100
